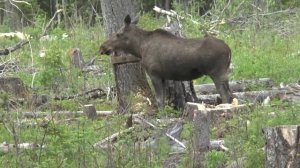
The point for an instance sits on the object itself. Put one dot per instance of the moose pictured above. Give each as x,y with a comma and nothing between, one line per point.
168,57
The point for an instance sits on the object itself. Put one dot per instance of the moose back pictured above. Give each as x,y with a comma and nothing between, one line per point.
168,57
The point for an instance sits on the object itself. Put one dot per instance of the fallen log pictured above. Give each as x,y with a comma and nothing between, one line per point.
282,146
9,50
244,97
293,93
64,114
235,86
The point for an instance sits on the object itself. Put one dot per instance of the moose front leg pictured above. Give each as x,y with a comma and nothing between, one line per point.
159,88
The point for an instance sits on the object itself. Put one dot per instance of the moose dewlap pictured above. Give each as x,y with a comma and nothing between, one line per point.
168,57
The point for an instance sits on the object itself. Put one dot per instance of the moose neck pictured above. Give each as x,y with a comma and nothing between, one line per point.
138,39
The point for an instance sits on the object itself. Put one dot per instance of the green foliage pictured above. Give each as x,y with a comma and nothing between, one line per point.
52,74
215,159
148,23
187,131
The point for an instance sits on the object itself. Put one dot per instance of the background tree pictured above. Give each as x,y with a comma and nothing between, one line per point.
13,16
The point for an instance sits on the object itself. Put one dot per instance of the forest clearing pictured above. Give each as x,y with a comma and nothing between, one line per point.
65,102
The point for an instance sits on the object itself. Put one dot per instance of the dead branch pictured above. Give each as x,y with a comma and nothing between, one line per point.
8,50
108,140
218,145
169,13
138,117
51,20
9,66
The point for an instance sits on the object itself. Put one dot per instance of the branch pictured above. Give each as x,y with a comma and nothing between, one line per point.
153,126
8,50
49,23
169,13
106,141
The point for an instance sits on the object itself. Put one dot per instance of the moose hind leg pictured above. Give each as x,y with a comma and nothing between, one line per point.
223,89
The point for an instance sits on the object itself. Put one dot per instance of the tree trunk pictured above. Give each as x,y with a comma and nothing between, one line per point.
178,93
130,78
167,4
12,15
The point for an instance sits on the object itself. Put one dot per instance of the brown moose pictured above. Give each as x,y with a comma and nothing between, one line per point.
168,57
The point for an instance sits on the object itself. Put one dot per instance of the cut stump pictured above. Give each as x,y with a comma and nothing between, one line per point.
282,146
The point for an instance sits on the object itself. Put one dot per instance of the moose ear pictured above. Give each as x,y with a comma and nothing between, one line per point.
127,20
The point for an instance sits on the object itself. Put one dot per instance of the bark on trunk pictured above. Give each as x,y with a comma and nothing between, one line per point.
282,146
130,78
178,93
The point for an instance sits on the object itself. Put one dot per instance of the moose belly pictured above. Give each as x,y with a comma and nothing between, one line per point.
182,75
177,73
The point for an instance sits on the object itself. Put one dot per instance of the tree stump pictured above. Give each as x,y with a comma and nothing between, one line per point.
75,58
13,86
282,146
90,111
200,140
